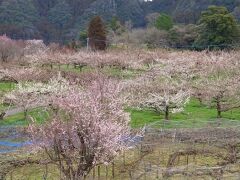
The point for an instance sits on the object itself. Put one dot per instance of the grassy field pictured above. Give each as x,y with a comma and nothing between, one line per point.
19,120
195,115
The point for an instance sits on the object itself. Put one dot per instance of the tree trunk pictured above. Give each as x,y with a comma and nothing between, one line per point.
2,115
219,110
25,113
78,177
167,113
200,101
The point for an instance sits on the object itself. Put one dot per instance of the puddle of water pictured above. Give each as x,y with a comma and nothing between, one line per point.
13,144
11,139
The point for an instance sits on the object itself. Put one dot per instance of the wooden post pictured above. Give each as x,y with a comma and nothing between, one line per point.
145,172
87,43
178,160
113,173
106,171
124,162
45,175
159,157
99,173
93,173
130,174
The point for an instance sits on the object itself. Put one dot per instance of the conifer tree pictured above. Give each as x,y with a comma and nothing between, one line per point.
97,34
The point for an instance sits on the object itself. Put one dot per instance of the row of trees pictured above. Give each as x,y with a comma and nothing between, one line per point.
168,88
216,28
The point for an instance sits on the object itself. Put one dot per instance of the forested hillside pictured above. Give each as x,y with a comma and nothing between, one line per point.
61,20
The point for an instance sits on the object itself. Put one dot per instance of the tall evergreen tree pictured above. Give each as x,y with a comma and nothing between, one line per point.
97,34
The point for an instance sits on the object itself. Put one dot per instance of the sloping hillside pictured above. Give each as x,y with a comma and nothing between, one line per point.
61,20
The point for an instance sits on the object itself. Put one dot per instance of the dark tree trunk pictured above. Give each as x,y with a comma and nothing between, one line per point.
200,101
2,115
25,113
219,109
167,113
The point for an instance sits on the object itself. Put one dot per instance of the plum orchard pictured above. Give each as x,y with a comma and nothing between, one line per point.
87,124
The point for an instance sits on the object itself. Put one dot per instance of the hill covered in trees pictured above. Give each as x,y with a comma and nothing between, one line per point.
61,20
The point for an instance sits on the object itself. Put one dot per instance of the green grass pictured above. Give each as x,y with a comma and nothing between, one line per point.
6,86
68,68
119,73
110,71
19,120
2,107
195,115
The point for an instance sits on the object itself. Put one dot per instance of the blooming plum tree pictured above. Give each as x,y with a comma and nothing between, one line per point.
8,49
164,95
91,131
28,95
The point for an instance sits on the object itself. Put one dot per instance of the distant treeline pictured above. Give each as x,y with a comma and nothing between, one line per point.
61,20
